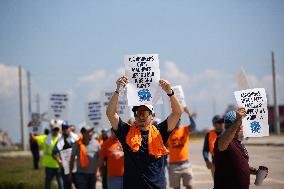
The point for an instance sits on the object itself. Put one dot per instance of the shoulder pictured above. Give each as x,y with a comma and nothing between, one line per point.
163,124
107,143
41,137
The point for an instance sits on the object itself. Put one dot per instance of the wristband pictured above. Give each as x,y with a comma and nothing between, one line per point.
172,93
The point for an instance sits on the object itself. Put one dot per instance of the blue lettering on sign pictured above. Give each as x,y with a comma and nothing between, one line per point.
144,95
255,127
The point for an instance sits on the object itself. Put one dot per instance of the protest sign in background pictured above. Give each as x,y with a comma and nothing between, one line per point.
65,157
179,94
93,114
58,106
122,109
242,80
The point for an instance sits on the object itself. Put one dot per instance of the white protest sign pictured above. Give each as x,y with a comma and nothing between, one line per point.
35,124
242,80
255,124
143,73
179,94
66,156
93,113
58,106
122,108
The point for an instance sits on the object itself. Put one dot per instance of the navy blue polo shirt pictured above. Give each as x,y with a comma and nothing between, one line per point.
142,170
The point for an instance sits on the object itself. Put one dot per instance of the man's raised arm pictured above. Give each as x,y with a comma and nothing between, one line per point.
230,132
175,105
111,111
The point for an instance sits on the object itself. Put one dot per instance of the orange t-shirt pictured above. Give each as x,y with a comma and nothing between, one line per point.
100,140
112,150
212,136
178,144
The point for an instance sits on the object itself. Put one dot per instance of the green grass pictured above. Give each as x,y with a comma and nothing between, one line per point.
17,173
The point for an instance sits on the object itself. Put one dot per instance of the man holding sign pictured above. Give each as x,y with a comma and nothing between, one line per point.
62,152
232,168
144,144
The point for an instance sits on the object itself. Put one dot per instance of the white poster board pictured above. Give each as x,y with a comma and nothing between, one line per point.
122,108
242,80
143,73
93,113
65,157
58,106
255,124
35,124
179,94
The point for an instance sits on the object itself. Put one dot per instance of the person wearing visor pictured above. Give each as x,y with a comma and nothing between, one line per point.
47,142
232,168
62,146
209,141
143,143
86,149
180,167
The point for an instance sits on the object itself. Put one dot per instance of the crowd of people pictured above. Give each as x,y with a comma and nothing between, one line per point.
138,154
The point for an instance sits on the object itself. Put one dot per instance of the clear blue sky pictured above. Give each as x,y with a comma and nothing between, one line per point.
78,46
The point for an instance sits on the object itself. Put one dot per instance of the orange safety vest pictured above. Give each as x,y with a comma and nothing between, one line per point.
212,136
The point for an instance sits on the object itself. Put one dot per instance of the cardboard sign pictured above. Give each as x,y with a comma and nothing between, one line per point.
179,94
58,106
122,108
255,124
65,157
143,73
93,113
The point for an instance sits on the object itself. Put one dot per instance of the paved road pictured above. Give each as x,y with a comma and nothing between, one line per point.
270,156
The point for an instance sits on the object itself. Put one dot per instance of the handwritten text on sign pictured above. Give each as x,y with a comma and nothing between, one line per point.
255,102
94,114
143,73
58,106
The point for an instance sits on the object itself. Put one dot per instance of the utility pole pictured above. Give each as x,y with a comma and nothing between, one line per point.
276,109
21,110
29,95
37,104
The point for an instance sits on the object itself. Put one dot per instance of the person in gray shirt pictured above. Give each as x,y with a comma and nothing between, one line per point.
86,150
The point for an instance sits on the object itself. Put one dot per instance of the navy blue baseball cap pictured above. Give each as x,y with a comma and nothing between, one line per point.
217,119
65,125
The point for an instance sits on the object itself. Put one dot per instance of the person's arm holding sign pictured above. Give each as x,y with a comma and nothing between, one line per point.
56,156
192,125
175,105
112,106
229,134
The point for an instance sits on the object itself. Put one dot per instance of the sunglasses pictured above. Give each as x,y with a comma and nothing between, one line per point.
142,113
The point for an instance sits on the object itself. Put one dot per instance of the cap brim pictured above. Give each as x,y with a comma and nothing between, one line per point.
135,107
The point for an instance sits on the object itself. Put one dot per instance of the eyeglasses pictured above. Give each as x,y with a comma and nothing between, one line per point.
142,113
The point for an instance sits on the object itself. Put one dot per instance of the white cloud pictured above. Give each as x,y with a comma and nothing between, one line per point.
175,76
98,81
208,85
266,82
9,80
94,77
